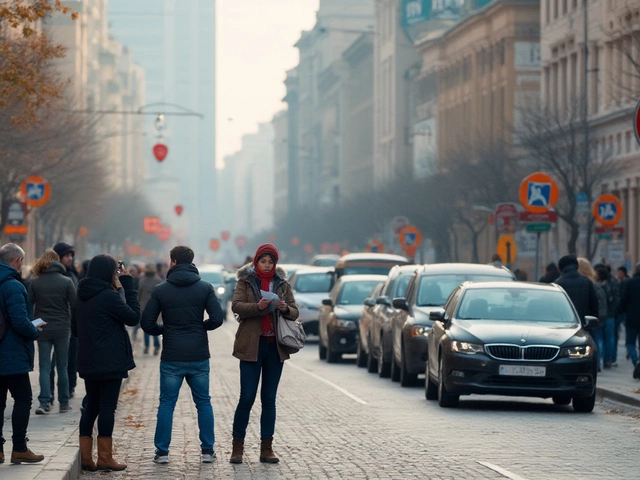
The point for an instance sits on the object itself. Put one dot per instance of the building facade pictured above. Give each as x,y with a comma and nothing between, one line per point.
607,74
280,124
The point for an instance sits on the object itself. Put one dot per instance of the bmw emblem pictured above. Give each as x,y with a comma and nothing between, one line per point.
522,340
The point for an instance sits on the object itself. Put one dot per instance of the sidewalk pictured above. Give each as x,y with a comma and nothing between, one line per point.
56,435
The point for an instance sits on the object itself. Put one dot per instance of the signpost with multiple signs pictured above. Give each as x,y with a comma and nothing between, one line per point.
410,238
538,195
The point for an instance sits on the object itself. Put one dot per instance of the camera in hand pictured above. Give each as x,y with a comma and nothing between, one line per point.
121,265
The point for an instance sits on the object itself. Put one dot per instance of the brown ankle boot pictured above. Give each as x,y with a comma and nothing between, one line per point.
26,457
105,458
86,454
238,450
266,451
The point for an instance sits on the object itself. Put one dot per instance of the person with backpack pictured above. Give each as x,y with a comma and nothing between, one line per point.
612,297
17,335
256,347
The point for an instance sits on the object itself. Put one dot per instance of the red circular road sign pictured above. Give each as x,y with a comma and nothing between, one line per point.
179,209
225,236
375,246
505,217
160,151
241,242
538,192
295,241
607,210
214,244
36,191
308,249
636,122
164,233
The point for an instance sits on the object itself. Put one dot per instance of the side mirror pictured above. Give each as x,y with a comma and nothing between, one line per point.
383,301
590,322
369,302
327,302
436,315
400,303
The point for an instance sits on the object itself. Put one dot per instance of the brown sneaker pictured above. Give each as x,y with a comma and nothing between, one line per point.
26,457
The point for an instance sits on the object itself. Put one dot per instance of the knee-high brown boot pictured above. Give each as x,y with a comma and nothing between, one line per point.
266,451
238,450
105,456
86,454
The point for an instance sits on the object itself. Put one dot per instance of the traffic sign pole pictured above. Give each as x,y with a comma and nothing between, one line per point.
537,267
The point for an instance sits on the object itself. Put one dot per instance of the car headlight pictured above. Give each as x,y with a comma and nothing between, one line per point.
420,331
346,323
579,351
468,348
220,290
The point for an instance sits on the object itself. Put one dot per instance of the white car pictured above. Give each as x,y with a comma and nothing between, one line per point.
310,286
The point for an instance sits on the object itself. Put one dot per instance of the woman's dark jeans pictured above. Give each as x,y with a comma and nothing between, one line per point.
102,401
20,388
270,365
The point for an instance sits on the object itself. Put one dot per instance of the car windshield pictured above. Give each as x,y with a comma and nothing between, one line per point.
313,283
363,270
354,293
325,262
434,290
401,286
212,277
515,304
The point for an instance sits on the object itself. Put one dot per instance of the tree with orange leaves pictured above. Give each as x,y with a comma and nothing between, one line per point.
27,83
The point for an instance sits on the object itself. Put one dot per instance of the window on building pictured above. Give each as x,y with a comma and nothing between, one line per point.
564,7
628,142
618,144
547,11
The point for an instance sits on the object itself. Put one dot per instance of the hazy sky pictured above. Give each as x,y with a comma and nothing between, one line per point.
254,50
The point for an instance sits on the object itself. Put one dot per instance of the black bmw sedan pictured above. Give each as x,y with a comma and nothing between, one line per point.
517,339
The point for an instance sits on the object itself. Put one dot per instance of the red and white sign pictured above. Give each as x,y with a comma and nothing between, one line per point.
506,217
164,233
241,242
550,216
151,224
618,231
214,244
398,223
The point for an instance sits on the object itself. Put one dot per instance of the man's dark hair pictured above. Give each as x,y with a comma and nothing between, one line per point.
181,254
623,269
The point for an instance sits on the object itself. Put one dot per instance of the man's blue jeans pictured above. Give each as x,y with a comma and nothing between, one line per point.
598,336
60,345
631,343
609,340
197,376
270,365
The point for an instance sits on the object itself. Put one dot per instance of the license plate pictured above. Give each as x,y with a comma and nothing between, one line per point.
523,371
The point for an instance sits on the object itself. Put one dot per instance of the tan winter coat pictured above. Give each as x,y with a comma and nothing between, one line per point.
245,305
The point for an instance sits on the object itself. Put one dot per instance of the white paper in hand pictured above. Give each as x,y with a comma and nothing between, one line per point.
38,322
272,297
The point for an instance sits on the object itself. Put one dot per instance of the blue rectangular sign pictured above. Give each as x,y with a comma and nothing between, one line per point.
418,11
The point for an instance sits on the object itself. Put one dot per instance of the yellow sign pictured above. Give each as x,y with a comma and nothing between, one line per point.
507,249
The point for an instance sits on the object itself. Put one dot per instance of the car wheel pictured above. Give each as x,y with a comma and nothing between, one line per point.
445,399
562,400
384,368
322,351
430,388
372,363
406,379
585,404
361,357
332,357
395,369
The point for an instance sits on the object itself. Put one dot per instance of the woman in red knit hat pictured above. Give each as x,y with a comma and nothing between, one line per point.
256,345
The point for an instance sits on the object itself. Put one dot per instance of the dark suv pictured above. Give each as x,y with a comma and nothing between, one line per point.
428,290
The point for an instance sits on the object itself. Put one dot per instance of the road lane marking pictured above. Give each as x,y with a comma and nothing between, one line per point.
331,384
317,377
501,471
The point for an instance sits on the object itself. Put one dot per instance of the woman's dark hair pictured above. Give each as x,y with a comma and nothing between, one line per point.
602,272
181,254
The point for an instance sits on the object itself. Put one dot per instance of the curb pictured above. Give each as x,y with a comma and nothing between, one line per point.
619,397
64,465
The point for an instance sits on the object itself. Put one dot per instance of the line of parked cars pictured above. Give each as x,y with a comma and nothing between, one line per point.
468,328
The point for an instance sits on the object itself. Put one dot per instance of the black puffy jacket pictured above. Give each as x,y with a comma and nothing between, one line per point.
630,301
182,299
580,290
99,319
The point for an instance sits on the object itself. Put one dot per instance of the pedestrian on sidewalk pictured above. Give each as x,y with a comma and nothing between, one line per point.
17,334
551,273
612,297
53,296
630,305
67,253
256,346
147,282
104,352
623,277
182,300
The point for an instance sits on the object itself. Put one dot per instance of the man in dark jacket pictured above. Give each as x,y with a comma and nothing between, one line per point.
67,253
182,300
16,353
551,273
630,305
579,288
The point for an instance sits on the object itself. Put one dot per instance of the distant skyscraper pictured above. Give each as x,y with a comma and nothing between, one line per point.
174,41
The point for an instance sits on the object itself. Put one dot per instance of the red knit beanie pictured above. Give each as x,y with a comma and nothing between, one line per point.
266,249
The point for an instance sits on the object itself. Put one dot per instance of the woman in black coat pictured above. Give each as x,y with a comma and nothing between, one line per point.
104,352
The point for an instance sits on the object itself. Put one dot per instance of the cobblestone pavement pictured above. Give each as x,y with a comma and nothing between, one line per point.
337,421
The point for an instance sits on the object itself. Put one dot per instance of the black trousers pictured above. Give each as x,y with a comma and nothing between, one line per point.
102,401
20,388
